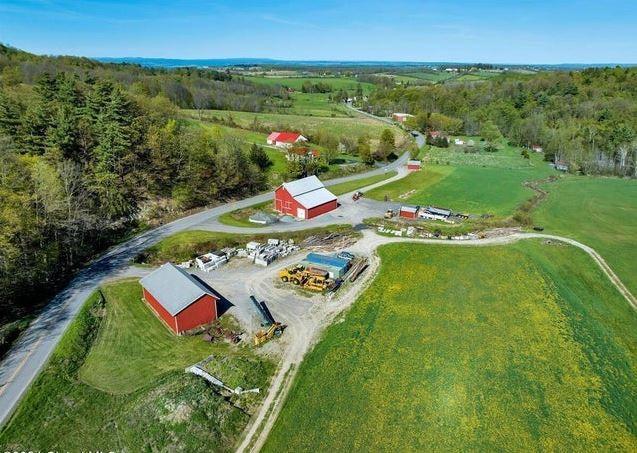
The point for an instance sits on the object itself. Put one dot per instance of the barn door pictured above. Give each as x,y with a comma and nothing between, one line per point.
300,213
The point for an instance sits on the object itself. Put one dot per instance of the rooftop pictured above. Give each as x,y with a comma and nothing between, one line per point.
174,288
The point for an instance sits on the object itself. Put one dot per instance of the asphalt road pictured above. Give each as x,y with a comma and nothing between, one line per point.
30,353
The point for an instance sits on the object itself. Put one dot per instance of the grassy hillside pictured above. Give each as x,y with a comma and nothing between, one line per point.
531,350
127,390
600,212
353,127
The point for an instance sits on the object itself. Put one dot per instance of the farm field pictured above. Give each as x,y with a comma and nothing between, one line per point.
430,76
532,350
470,189
353,127
315,104
296,83
601,213
125,388
508,156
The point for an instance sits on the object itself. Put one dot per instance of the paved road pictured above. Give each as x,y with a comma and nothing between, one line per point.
29,354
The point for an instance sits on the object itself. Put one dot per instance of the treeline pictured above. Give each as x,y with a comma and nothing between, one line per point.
189,88
587,119
83,161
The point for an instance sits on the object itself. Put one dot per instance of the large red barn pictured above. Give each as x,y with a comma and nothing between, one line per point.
179,299
304,198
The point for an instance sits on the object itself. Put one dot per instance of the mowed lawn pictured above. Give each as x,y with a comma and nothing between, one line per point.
600,212
116,382
134,347
469,189
525,347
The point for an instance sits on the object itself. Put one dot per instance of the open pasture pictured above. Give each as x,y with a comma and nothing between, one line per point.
469,189
526,347
601,213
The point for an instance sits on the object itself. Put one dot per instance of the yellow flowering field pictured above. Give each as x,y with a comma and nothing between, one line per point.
519,347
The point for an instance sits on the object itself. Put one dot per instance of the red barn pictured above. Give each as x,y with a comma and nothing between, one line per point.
413,165
179,299
409,212
304,198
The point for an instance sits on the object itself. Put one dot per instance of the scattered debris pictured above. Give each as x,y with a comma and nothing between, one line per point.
197,370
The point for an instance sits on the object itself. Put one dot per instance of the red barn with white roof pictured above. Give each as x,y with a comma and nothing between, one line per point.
179,299
285,139
304,198
413,165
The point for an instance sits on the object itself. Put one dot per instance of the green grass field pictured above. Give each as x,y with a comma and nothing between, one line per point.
133,348
532,349
353,127
116,383
474,190
296,83
600,212
315,104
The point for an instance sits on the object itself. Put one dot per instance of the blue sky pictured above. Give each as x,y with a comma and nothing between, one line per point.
497,31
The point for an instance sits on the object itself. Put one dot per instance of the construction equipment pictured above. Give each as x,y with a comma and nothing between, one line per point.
389,214
357,195
311,278
292,274
267,320
264,335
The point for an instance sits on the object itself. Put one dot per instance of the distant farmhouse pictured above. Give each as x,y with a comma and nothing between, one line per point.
285,139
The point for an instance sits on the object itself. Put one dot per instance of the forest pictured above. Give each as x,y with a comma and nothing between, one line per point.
88,153
587,119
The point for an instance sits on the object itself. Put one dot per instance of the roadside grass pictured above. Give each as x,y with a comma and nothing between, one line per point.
171,411
350,186
531,349
599,212
469,189
240,217
189,244
134,347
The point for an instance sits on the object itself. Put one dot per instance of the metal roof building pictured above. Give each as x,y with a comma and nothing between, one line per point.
178,298
304,198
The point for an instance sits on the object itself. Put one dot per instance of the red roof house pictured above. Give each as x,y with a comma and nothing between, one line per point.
179,299
304,198
285,139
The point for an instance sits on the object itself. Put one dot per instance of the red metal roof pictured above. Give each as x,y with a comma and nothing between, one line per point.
287,137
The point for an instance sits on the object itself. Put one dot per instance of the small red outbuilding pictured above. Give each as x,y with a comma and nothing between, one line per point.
179,299
304,198
409,212
413,165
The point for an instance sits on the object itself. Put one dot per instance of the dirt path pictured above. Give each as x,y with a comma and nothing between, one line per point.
305,331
